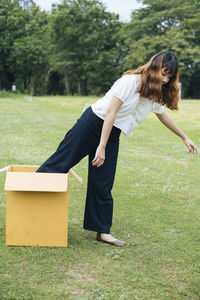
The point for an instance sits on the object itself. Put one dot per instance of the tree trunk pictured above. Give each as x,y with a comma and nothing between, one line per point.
67,86
85,87
79,88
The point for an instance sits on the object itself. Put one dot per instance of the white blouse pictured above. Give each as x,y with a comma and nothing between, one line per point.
134,108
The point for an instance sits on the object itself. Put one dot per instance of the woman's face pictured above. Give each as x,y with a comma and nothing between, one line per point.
165,76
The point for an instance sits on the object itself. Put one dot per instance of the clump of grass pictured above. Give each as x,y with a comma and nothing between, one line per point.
5,94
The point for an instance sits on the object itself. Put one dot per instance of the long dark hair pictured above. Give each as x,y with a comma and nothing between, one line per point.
151,86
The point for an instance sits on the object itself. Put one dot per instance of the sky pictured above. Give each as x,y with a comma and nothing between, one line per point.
121,7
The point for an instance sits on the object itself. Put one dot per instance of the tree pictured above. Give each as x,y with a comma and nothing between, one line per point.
167,25
29,54
84,39
23,46
81,48
12,23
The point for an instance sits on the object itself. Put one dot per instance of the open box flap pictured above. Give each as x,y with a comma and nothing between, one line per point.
36,182
4,169
24,178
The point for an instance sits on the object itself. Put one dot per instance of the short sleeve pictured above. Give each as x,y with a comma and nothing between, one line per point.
124,87
158,108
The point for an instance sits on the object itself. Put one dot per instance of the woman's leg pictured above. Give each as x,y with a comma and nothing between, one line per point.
80,140
99,201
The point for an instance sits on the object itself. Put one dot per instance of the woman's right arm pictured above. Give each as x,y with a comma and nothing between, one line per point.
111,112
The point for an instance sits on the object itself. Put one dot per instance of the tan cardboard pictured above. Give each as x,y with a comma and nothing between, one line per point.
37,207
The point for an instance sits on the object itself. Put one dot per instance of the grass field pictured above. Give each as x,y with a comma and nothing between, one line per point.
157,210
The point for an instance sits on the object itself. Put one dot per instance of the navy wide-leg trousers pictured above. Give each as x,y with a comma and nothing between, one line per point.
81,140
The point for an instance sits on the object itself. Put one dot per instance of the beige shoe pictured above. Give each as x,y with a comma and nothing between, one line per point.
114,243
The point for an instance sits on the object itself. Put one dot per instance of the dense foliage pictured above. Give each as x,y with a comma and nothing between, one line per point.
80,47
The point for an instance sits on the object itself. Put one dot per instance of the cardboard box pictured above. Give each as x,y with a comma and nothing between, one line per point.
37,207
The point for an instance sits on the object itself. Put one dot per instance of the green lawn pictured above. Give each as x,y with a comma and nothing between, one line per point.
157,205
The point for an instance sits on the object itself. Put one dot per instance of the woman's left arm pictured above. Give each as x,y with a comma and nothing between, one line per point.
169,123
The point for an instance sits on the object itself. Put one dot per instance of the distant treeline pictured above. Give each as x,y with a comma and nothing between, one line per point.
81,48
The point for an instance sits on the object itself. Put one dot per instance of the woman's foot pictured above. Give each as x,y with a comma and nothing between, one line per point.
108,238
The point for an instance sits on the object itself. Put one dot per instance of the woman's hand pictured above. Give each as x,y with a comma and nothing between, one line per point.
99,156
191,146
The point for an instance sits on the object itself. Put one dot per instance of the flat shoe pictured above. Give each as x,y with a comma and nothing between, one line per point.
114,243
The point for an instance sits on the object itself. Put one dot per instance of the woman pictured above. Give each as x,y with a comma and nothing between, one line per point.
97,132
